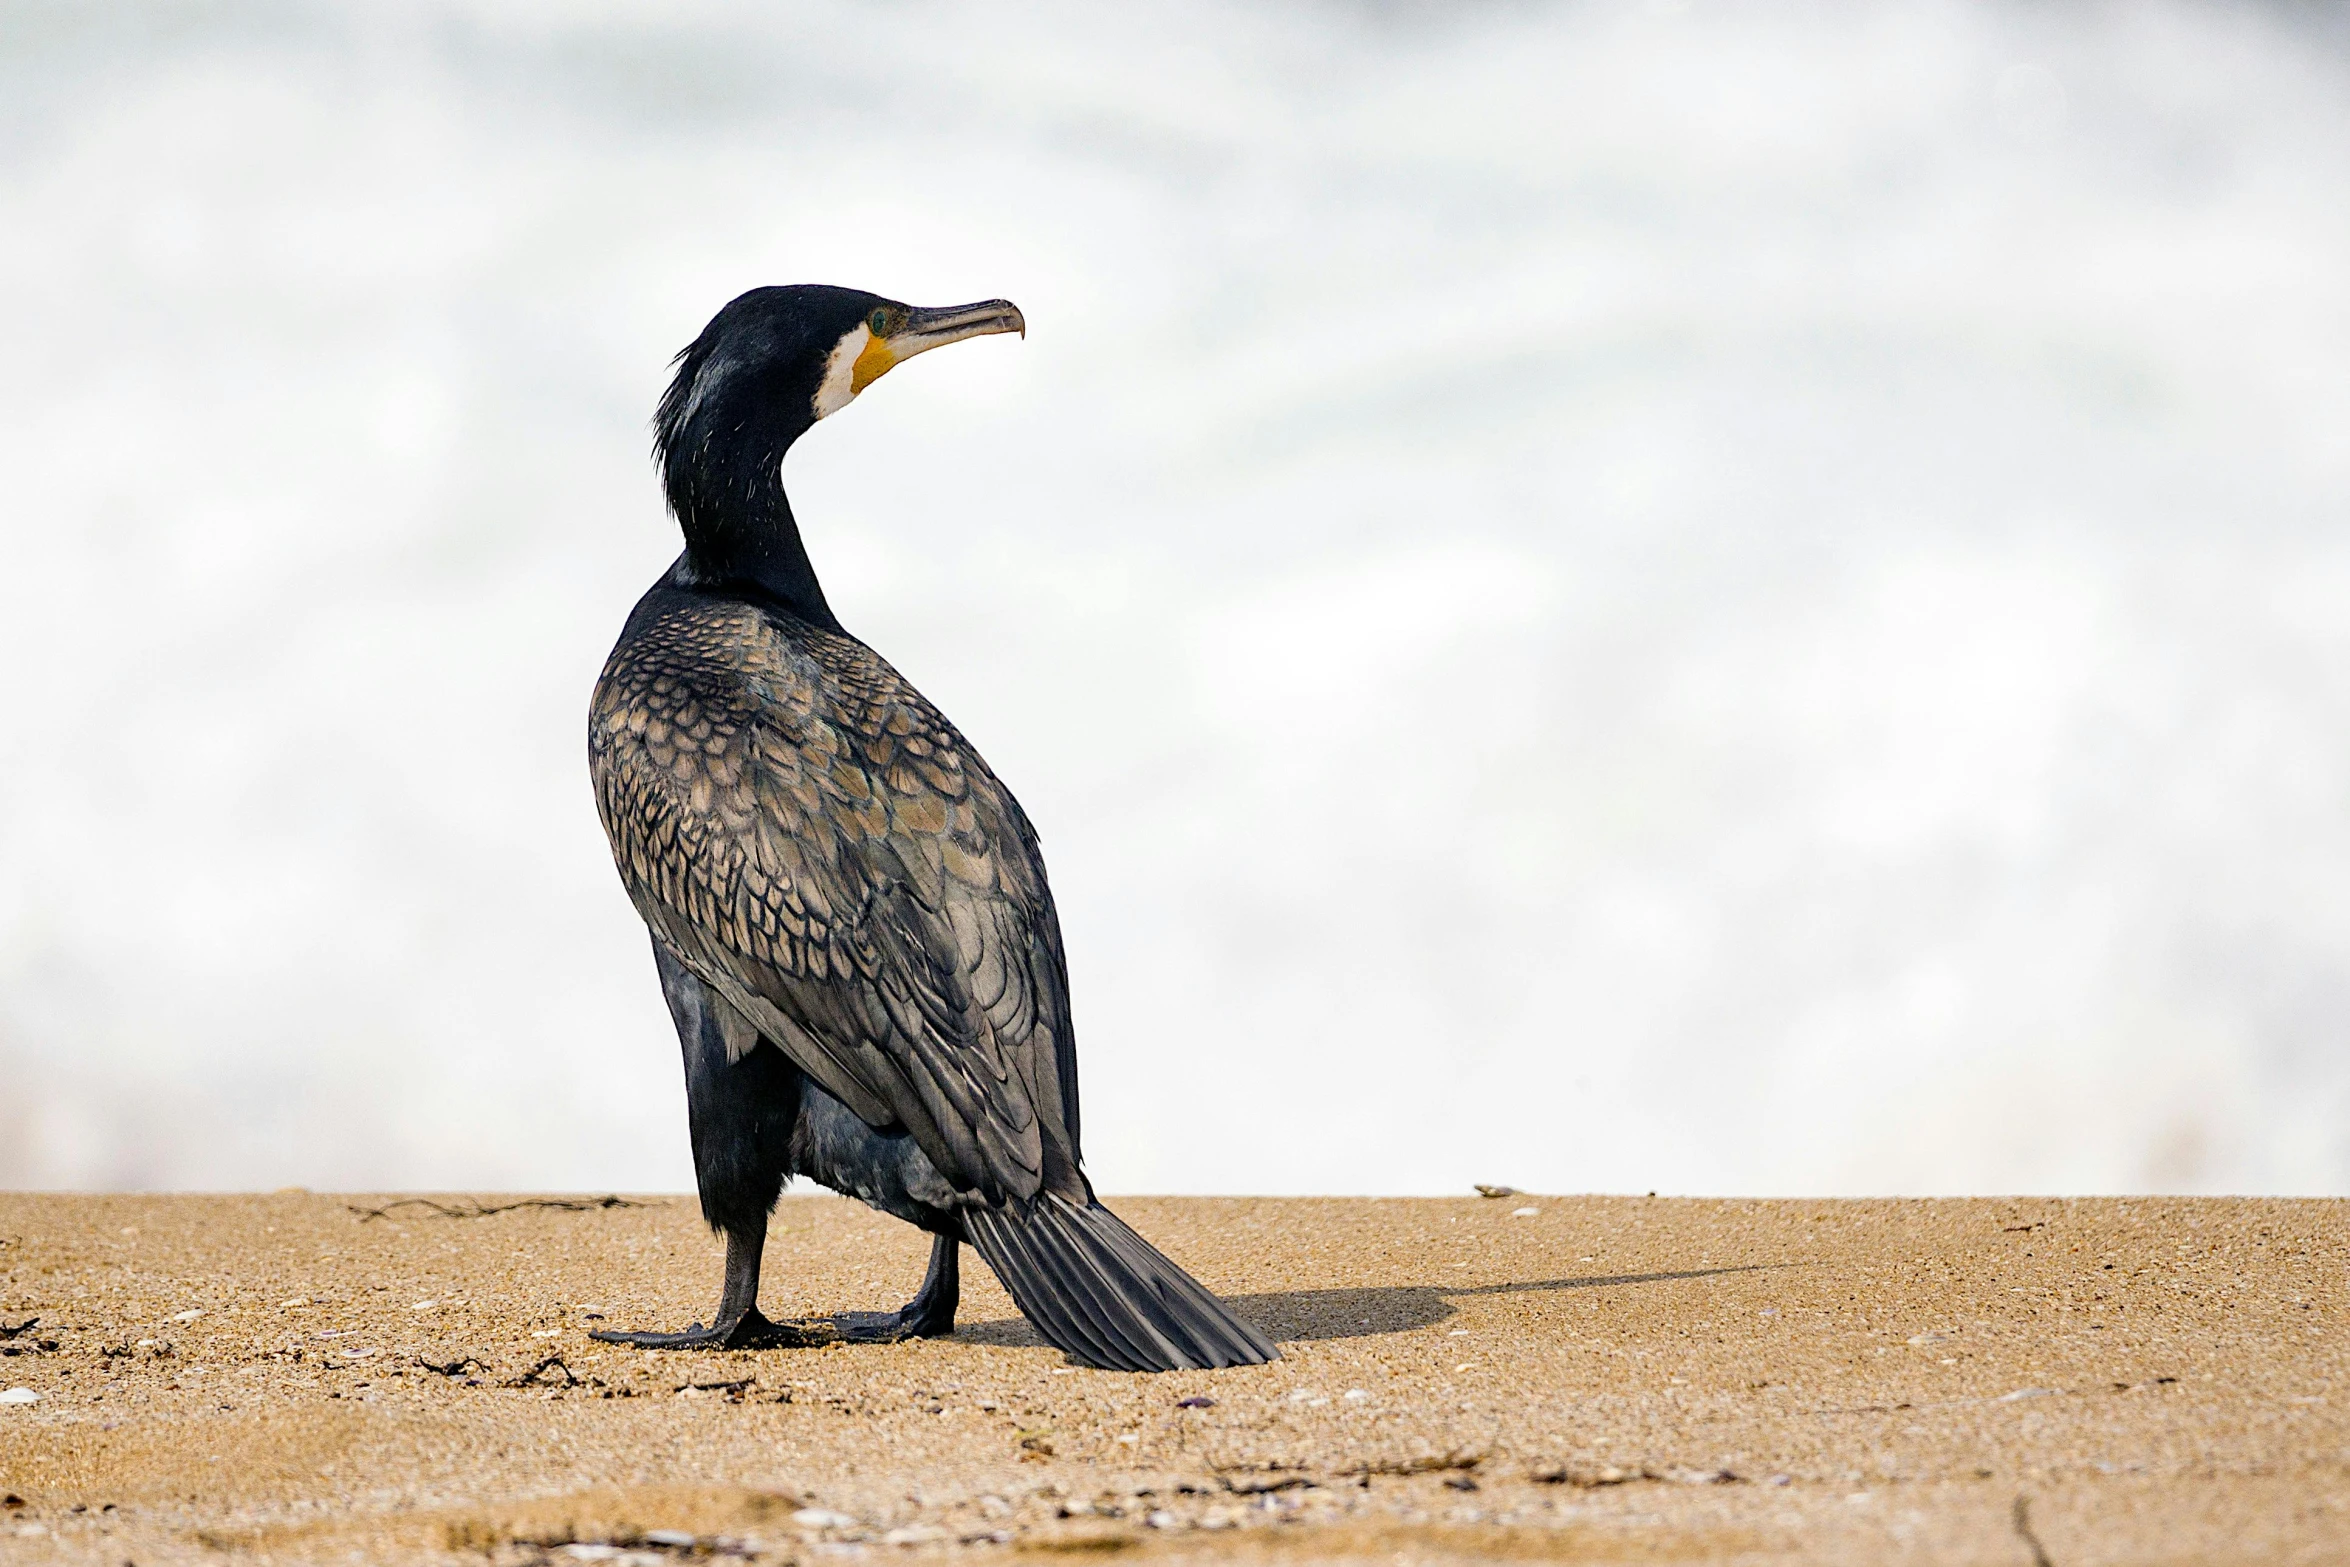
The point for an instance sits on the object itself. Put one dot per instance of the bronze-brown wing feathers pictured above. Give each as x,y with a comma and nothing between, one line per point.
815,842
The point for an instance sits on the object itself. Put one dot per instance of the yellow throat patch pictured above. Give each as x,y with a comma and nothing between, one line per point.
872,364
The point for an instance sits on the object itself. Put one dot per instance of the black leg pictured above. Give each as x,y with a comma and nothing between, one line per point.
930,1314
739,1324
742,1096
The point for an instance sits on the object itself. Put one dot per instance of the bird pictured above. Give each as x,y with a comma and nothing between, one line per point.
849,914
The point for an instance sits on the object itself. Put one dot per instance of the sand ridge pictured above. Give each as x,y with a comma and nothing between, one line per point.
301,1377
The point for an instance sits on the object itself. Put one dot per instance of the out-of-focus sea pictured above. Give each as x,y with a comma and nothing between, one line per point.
1715,598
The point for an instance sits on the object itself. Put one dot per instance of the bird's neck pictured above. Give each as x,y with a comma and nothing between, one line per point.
740,533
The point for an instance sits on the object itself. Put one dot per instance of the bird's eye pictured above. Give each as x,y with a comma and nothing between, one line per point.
878,322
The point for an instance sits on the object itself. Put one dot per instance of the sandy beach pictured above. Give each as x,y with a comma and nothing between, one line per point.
300,1377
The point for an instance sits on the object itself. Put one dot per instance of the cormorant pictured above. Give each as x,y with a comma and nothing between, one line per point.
848,909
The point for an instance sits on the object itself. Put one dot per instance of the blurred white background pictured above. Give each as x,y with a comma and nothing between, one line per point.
1604,596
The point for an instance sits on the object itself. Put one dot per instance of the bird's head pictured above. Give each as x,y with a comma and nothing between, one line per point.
776,360
764,370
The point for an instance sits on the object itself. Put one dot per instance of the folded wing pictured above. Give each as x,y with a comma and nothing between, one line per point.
816,842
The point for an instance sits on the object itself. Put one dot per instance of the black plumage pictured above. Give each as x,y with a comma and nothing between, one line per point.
849,910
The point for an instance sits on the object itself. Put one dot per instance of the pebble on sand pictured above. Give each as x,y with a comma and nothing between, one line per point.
822,1518
20,1395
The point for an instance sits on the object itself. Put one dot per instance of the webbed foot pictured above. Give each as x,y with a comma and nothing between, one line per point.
889,1327
748,1331
930,1314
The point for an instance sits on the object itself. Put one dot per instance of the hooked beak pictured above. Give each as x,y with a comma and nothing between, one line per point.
925,330
928,329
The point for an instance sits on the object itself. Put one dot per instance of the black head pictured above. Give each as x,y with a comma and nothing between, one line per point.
776,360
767,367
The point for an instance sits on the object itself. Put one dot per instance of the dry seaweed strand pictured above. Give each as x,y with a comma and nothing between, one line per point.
538,1375
480,1210
2023,1530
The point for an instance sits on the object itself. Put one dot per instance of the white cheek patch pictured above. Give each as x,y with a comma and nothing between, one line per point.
838,387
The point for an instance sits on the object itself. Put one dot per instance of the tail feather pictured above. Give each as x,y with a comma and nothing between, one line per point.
1058,1301
1103,1294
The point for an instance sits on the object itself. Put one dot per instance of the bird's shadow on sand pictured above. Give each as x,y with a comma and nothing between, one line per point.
1307,1316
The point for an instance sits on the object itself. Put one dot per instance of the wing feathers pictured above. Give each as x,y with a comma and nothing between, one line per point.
815,841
